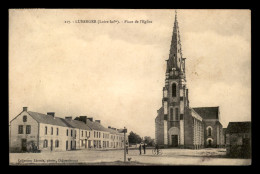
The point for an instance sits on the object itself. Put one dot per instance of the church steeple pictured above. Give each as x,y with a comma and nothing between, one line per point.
175,57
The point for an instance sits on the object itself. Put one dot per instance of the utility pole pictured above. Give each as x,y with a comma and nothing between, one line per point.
124,131
124,146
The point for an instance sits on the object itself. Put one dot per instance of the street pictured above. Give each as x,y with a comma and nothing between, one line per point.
115,157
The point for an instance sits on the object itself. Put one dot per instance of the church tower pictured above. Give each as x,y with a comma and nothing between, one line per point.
175,93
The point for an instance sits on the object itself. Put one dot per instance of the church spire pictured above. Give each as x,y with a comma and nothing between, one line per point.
175,57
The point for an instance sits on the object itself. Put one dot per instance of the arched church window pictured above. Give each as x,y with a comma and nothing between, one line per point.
171,114
173,90
176,114
209,132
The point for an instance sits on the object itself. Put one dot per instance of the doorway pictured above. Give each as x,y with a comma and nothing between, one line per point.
210,143
175,140
24,145
89,143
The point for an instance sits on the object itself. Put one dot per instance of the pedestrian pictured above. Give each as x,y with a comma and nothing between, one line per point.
140,148
144,148
157,149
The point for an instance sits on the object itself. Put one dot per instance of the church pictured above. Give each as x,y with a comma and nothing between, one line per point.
177,124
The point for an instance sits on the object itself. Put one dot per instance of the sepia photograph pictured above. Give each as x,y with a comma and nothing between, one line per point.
129,87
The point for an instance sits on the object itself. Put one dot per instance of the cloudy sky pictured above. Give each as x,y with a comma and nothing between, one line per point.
115,72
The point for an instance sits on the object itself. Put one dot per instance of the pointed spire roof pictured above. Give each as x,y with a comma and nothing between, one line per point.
175,57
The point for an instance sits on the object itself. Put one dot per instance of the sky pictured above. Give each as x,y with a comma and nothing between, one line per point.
115,72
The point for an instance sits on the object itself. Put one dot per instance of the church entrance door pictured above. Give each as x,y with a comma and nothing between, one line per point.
175,140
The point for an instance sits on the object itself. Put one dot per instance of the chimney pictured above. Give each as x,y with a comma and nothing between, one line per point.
90,118
83,119
68,118
97,121
51,113
25,109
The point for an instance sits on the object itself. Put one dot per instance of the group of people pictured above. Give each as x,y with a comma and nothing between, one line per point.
140,148
143,145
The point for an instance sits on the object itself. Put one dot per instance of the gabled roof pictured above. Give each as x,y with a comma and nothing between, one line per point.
95,125
208,112
78,124
239,127
48,119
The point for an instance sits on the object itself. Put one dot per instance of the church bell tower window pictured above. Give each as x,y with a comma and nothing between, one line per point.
173,90
171,114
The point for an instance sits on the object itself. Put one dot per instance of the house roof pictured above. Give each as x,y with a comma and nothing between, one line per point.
239,127
48,119
78,124
208,112
97,126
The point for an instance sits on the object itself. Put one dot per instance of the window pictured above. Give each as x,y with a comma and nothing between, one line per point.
89,134
51,130
86,134
57,131
82,133
45,143
24,118
67,132
181,116
46,130
75,133
176,114
20,129
28,129
171,113
94,134
71,132
209,131
57,143
173,90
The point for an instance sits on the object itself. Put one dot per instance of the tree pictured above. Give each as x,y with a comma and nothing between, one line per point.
149,141
134,138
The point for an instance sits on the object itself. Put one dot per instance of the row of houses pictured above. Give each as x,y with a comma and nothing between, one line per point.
31,131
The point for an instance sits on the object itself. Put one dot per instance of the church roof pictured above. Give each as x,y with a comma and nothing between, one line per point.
175,48
239,127
160,115
208,112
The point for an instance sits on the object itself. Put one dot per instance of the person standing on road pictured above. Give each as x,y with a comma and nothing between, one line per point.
144,148
140,149
157,148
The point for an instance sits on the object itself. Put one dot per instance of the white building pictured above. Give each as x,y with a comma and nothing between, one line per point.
46,132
